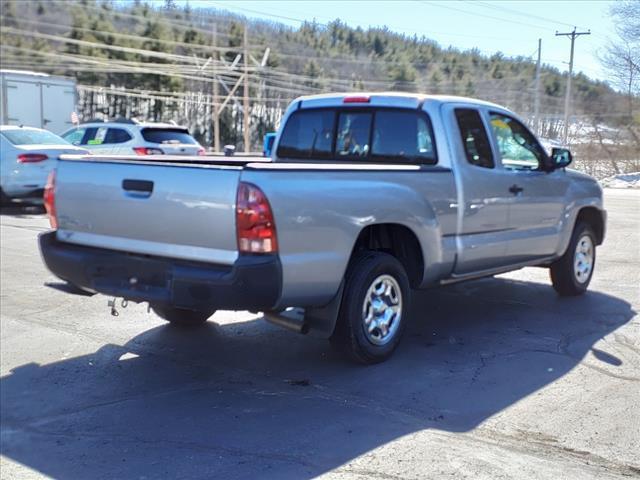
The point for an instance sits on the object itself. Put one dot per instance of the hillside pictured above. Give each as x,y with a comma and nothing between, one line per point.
161,62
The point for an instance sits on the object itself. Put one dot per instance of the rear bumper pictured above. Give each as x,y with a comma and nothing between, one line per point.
252,283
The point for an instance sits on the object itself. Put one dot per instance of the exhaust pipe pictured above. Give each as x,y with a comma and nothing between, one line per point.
291,319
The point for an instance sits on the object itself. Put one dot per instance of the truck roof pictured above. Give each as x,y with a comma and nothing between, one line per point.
401,99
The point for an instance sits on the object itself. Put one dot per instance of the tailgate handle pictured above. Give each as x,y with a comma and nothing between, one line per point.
138,188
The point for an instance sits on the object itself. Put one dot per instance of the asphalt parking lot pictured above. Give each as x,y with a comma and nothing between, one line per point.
497,378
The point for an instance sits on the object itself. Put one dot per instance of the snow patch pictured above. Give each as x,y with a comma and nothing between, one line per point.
623,180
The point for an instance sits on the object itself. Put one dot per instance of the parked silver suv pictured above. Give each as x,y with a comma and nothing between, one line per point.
127,137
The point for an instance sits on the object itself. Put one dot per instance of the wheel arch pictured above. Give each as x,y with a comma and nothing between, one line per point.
595,218
397,240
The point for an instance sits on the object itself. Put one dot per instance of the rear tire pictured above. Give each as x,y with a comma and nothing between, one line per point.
5,200
571,273
374,309
182,316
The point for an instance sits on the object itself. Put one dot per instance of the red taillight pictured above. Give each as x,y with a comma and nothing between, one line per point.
358,99
32,157
255,226
50,199
202,151
147,151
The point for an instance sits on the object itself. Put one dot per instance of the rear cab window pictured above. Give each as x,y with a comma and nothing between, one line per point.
308,134
369,134
168,136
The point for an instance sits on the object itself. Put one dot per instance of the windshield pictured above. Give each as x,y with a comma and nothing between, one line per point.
168,135
22,136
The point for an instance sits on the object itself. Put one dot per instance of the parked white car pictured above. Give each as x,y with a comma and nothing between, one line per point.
127,137
27,155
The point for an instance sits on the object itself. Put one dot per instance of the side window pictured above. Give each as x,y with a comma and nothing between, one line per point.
354,131
117,135
95,136
75,136
403,135
518,147
474,138
308,134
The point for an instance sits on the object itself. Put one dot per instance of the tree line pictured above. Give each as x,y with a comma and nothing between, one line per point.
311,58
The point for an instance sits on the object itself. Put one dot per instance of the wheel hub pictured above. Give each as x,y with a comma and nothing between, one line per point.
583,259
382,310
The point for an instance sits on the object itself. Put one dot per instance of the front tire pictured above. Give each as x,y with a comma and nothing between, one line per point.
374,309
181,316
571,273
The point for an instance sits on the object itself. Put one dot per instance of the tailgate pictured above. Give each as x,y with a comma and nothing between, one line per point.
180,149
178,211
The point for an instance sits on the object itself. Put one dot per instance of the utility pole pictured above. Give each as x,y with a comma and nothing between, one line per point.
215,100
245,103
567,100
536,108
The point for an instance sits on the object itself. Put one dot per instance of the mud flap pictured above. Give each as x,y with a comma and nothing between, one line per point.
321,321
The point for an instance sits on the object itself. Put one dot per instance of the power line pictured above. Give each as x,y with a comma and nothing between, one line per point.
314,22
475,14
139,38
567,104
502,8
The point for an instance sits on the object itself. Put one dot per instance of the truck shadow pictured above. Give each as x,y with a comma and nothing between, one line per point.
248,400
22,210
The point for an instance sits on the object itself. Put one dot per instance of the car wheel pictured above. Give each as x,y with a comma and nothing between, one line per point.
571,273
182,316
374,309
4,198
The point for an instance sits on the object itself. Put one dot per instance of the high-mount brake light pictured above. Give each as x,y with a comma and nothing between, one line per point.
357,99
49,199
255,226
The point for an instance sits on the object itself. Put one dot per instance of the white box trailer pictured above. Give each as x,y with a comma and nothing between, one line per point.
36,100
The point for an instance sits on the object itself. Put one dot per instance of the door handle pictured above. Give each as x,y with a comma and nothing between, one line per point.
515,189
138,188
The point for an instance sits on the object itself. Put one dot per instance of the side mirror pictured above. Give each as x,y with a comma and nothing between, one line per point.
560,158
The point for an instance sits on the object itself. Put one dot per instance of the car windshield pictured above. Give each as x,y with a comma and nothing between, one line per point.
23,136
168,135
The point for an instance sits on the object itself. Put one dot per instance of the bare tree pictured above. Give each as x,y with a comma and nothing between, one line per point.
622,54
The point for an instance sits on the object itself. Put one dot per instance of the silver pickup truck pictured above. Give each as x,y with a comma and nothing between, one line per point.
365,197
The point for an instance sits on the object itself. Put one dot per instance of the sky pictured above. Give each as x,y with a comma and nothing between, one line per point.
511,27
